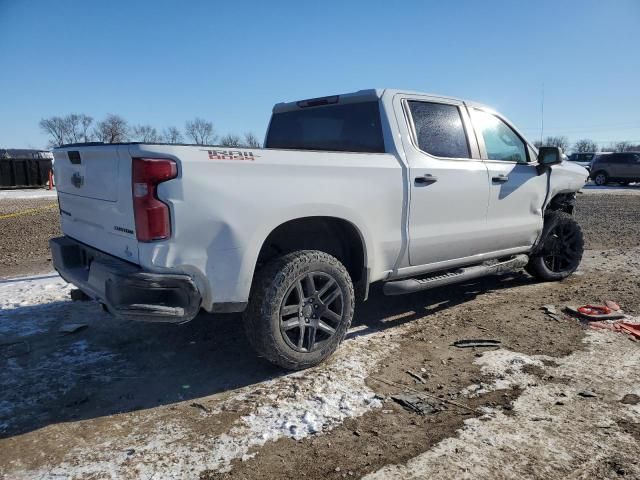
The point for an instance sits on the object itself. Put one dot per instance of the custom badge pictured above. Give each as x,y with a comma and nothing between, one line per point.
231,155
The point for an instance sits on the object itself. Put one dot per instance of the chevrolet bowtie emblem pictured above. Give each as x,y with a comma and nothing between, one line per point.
77,180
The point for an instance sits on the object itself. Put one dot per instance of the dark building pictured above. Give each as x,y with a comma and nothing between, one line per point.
23,168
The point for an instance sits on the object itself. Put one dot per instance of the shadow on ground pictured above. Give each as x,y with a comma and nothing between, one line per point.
114,366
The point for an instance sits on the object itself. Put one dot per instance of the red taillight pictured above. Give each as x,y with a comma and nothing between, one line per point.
152,215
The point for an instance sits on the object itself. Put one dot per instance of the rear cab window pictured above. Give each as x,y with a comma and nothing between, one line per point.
349,127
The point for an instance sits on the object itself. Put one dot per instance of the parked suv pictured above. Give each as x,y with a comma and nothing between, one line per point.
623,168
583,159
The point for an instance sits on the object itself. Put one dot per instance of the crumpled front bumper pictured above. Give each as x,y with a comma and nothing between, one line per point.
125,289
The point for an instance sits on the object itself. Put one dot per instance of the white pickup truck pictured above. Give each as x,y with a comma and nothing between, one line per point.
405,188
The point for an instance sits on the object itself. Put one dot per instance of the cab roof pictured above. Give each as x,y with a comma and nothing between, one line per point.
371,94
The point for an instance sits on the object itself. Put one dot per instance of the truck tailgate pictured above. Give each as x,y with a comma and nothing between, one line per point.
94,193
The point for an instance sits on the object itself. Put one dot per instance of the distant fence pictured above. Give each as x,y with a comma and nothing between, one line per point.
24,172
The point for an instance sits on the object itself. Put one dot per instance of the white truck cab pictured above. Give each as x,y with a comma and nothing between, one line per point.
409,189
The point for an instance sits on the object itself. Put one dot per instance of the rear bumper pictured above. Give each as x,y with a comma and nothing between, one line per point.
125,289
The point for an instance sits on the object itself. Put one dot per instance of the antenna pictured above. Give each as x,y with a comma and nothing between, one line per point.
542,115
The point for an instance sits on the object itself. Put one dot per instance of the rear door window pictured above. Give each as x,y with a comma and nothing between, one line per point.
439,129
618,158
350,127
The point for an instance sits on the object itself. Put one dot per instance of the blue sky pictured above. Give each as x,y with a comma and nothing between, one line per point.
161,62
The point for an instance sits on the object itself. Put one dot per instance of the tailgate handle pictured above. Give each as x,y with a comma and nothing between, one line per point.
74,157
77,180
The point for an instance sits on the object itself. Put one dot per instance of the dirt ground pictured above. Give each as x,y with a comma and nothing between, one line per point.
130,400
23,242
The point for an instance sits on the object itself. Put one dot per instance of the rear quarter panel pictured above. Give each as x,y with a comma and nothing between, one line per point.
224,206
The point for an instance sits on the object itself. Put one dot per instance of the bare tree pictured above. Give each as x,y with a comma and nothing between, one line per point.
56,128
172,135
561,142
78,125
72,128
85,123
113,129
200,131
585,145
251,141
146,134
231,140
622,146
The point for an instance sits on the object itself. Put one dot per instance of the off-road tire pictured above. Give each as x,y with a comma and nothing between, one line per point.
538,265
600,178
271,283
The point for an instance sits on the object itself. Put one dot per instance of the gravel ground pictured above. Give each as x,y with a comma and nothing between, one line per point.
24,240
609,221
24,247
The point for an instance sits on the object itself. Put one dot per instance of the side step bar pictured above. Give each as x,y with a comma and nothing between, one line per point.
409,285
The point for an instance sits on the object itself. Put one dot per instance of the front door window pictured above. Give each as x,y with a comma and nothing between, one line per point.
500,141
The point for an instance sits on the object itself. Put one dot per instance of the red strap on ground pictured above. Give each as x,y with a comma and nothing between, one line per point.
630,328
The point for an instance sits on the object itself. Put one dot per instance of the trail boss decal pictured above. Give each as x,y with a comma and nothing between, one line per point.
231,155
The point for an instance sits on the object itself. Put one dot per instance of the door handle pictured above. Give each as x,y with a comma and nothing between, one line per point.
426,179
500,178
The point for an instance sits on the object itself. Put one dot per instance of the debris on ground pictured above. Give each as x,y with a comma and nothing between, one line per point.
416,403
417,377
476,343
612,305
630,399
551,311
587,394
72,328
629,326
594,312
201,407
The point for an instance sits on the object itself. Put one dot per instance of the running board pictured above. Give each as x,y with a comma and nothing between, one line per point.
409,285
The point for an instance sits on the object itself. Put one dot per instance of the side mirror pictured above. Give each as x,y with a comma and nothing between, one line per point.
549,156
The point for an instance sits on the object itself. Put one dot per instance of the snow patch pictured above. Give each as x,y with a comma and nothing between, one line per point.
30,306
53,376
27,194
36,290
308,403
552,431
506,371
294,406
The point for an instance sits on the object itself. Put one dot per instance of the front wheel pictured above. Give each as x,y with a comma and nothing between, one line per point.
560,249
300,308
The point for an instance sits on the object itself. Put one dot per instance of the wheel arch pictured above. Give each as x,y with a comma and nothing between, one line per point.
333,235
563,202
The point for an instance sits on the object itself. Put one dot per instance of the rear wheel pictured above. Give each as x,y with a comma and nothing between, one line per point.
300,308
560,249
600,178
